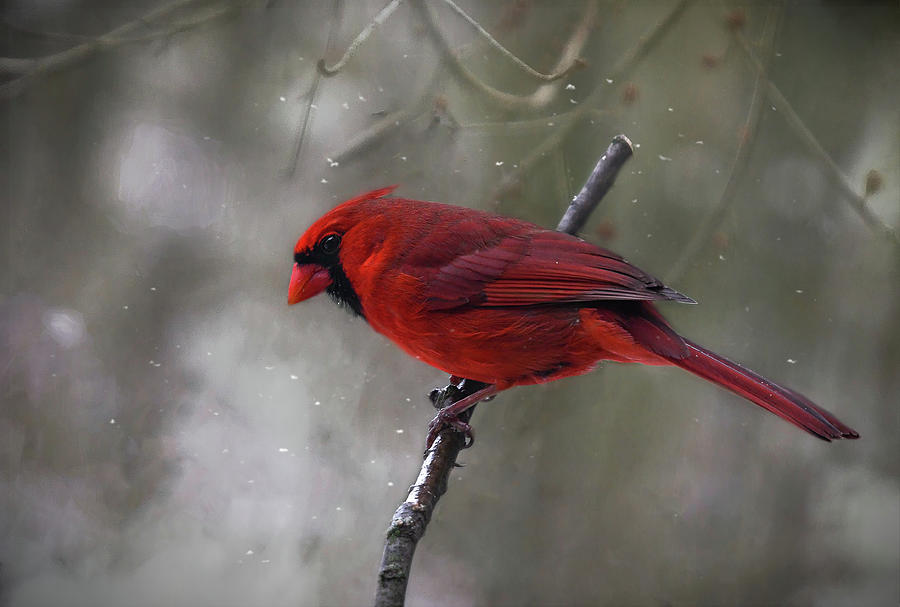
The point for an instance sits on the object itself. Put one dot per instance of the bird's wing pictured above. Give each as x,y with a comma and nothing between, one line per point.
539,268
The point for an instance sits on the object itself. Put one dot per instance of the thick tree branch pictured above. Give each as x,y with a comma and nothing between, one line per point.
411,518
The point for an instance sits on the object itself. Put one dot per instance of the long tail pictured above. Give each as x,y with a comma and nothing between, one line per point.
783,402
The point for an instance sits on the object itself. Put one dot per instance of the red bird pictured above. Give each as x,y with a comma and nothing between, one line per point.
508,303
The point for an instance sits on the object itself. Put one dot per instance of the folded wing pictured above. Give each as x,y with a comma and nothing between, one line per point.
540,268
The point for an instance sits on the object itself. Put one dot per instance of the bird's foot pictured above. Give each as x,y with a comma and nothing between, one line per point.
449,419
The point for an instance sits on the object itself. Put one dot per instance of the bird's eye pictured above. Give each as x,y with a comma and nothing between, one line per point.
330,243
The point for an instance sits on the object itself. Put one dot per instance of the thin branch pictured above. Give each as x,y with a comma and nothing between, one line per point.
528,125
311,95
411,519
379,19
114,38
387,124
555,75
412,516
570,55
856,200
747,136
625,64
496,96
597,185
542,96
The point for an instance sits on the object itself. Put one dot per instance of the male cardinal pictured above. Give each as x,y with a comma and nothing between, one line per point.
506,302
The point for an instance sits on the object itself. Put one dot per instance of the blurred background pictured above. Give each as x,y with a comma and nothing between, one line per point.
171,433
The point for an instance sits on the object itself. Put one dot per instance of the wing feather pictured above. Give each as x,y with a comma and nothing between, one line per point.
539,268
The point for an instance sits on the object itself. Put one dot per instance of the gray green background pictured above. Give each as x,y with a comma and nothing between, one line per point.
171,433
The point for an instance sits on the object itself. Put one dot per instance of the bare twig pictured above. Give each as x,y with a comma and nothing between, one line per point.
411,519
528,125
412,516
379,19
508,100
311,95
747,136
555,75
387,124
626,63
856,200
30,70
597,185
449,60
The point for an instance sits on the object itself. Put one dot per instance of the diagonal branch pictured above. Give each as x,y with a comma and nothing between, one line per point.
856,200
534,101
625,64
291,168
29,70
745,142
450,60
411,519
555,75
379,19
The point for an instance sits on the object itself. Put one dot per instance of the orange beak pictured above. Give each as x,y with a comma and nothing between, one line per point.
307,280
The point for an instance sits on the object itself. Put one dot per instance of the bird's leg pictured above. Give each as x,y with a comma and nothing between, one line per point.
450,415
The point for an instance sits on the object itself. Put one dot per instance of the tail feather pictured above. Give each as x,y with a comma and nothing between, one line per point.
783,402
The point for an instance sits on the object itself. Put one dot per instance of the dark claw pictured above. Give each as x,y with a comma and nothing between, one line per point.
443,420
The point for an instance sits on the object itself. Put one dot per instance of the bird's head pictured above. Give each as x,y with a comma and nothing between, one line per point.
319,253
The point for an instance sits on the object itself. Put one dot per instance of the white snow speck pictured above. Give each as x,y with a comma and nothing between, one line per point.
282,99
791,361
570,87
294,376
